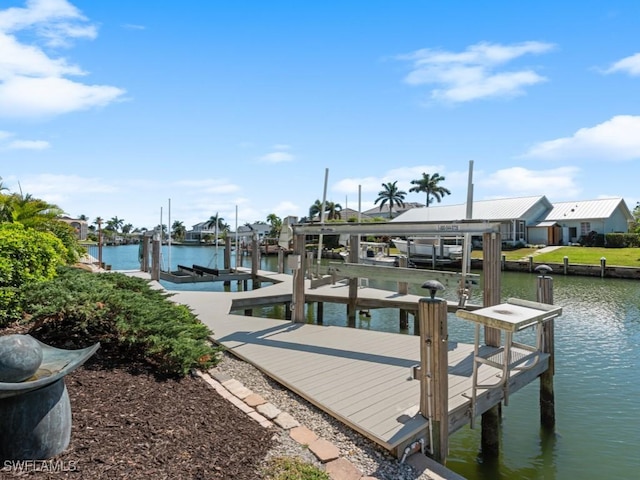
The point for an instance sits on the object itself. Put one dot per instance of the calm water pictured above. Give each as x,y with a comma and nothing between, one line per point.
597,381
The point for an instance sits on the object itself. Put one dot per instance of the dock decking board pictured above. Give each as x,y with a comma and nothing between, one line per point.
358,376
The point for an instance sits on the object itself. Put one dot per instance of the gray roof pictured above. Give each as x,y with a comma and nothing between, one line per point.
498,209
588,209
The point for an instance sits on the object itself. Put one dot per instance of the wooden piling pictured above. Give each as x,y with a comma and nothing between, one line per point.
544,294
280,260
297,265
403,289
227,258
320,313
155,259
434,383
492,249
255,260
354,248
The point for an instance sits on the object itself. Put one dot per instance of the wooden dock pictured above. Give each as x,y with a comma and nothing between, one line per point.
361,377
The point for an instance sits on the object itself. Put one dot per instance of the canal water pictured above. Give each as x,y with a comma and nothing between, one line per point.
597,379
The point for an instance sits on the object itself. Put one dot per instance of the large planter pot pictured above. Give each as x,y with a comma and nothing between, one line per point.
35,414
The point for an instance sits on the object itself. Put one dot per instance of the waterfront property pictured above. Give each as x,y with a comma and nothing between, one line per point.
597,378
456,381
535,220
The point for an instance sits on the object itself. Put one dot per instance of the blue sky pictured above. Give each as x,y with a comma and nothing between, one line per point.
113,108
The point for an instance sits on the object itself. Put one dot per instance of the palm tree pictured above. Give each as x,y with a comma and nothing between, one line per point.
316,209
217,222
429,185
392,195
333,211
276,225
115,224
179,230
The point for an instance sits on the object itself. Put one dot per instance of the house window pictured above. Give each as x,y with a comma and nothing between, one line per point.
585,228
573,233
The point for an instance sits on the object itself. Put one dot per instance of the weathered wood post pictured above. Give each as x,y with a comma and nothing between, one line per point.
544,294
227,257
144,260
280,260
434,381
320,313
297,265
491,246
565,264
603,266
155,259
255,260
403,289
354,248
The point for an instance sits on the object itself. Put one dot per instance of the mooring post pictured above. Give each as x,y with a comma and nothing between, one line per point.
255,260
544,294
297,265
320,313
492,249
403,289
354,248
280,260
155,259
227,257
434,382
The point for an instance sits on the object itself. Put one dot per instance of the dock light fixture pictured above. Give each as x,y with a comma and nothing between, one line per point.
433,286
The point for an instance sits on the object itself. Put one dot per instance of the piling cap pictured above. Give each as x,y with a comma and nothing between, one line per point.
433,286
543,270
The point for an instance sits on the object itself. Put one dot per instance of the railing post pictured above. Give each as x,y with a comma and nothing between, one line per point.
403,289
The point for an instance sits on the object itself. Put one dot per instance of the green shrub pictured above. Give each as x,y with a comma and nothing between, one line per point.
27,256
125,314
622,240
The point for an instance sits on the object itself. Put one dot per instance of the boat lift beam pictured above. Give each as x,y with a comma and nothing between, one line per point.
455,228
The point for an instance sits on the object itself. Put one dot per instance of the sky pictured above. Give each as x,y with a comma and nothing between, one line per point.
193,108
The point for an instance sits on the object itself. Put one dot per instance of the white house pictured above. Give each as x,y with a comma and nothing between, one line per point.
534,220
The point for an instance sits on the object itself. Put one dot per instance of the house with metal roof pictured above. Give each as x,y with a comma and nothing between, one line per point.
534,220
577,219
383,211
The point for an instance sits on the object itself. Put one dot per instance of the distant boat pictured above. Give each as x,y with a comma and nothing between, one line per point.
427,247
373,253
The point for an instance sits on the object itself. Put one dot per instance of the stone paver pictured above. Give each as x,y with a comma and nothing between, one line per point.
286,421
221,377
254,400
260,419
268,410
237,388
240,404
303,435
343,469
325,450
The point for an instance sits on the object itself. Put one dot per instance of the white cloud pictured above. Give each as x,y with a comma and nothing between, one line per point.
616,139
28,145
520,181
277,157
473,73
34,84
630,65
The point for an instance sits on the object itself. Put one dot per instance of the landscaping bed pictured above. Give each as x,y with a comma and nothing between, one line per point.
131,424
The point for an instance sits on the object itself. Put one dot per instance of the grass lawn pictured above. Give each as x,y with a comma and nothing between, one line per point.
621,257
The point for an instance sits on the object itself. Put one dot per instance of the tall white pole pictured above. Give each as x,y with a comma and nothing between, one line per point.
324,205
466,252
169,228
237,251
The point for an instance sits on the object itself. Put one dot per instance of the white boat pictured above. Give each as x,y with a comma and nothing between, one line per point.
373,253
427,246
